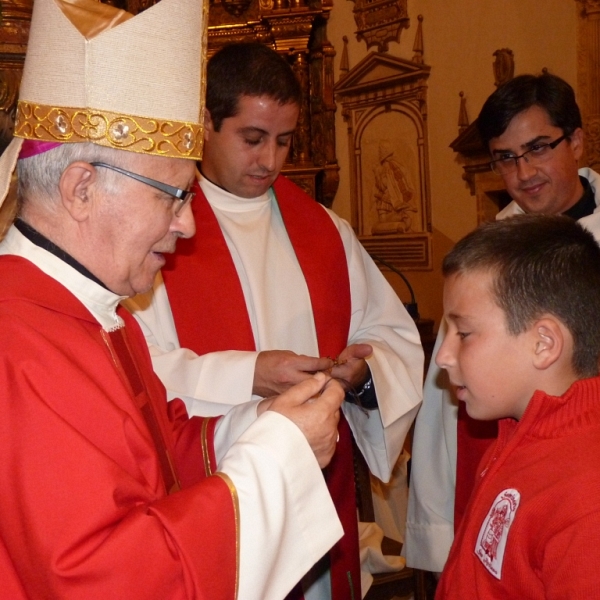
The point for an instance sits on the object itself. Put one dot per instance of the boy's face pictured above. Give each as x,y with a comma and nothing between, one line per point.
490,368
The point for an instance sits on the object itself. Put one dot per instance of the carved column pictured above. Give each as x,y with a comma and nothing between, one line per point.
322,108
301,149
588,75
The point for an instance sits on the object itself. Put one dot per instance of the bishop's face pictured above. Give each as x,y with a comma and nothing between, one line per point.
134,227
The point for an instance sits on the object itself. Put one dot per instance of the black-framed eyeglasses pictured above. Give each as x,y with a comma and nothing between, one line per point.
184,197
537,154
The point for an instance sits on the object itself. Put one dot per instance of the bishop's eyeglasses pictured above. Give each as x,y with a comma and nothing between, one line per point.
184,197
536,155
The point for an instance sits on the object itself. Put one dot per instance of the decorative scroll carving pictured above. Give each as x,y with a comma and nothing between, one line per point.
236,7
387,134
380,21
504,66
14,26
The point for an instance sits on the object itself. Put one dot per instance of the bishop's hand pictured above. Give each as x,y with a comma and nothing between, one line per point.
314,406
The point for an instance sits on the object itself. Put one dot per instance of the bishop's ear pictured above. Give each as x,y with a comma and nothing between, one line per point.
550,340
74,187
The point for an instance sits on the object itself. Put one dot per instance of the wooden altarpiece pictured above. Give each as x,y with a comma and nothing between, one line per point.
588,77
294,28
384,103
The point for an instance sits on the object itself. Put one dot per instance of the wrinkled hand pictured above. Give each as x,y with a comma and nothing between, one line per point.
278,370
314,406
352,366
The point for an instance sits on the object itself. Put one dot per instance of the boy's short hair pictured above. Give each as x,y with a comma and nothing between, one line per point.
541,265
547,91
247,69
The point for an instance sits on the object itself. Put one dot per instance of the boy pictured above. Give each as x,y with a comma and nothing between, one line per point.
522,302
526,115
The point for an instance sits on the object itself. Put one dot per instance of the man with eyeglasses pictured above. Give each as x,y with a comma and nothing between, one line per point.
532,128
106,490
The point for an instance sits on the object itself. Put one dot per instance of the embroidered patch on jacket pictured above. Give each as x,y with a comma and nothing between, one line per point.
491,541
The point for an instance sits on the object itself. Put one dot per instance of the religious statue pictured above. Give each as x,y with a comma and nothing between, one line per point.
393,194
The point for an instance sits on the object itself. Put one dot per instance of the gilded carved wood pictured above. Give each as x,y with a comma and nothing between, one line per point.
379,22
14,31
588,77
294,28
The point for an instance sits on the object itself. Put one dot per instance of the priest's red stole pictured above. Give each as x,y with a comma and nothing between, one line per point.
210,314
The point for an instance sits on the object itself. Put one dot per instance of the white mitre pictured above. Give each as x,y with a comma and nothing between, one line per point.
95,73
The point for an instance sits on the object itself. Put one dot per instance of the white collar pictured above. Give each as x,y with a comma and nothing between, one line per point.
102,303
225,201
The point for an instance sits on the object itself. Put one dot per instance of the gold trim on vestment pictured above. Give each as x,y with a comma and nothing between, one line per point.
204,445
236,509
160,137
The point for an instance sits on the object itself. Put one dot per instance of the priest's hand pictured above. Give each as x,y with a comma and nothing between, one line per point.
314,406
351,366
278,370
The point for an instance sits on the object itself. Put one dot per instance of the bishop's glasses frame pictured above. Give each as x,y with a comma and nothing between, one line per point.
183,196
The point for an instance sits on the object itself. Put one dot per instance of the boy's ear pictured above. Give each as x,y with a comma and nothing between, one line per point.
74,186
549,339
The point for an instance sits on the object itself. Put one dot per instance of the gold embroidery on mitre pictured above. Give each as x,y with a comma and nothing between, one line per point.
161,137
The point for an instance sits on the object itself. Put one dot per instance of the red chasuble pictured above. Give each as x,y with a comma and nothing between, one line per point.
85,510
210,315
